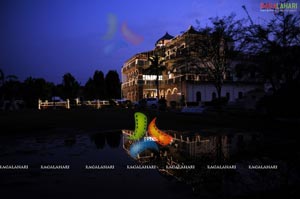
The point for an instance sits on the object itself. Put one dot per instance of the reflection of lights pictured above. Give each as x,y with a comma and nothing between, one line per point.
140,146
131,36
161,137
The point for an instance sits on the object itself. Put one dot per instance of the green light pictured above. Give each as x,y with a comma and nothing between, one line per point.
140,126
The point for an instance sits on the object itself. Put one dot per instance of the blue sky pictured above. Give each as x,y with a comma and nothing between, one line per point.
48,38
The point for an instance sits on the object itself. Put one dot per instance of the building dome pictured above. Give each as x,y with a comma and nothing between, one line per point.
192,30
167,36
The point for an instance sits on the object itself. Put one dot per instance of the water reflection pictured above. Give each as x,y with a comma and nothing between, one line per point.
78,150
70,140
99,140
218,165
198,150
111,138
218,148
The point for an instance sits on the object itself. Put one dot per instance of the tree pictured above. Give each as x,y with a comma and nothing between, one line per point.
2,77
89,89
11,78
58,90
36,88
99,85
7,78
70,86
156,68
220,45
94,88
2,80
276,46
10,87
113,85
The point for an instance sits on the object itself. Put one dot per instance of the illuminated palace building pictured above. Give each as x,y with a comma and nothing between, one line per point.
179,78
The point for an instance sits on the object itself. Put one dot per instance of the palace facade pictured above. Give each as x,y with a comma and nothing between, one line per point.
180,79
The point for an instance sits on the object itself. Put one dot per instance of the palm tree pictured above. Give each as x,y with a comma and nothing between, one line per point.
156,68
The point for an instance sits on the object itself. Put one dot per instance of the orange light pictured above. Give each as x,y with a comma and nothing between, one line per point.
159,136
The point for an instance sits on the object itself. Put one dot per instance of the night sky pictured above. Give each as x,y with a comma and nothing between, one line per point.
48,38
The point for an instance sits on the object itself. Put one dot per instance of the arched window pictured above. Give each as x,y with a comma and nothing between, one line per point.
198,96
174,91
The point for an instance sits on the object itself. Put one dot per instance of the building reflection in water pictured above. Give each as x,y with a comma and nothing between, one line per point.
238,149
216,147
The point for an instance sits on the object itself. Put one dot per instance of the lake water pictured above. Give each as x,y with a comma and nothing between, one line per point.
202,166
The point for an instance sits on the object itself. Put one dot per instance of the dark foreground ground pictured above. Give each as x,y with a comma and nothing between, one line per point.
34,121
79,137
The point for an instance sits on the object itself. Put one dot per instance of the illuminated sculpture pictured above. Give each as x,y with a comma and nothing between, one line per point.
142,145
140,126
157,136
